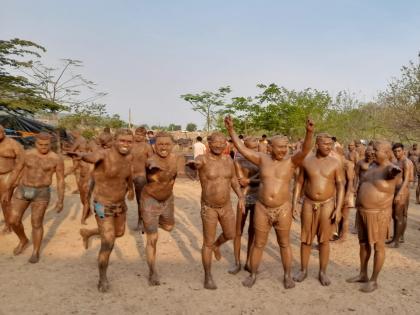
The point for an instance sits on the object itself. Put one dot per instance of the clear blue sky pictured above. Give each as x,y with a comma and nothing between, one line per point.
146,53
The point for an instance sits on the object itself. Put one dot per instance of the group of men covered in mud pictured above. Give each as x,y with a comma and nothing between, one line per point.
269,181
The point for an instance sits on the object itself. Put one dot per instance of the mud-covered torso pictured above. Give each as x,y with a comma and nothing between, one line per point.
140,152
7,155
111,175
38,169
161,180
215,178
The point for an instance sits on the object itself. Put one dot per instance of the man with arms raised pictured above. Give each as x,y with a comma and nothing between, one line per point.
141,151
113,179
157,199
217,175
322,180
33,190
273,207
11,161
402,195
374,206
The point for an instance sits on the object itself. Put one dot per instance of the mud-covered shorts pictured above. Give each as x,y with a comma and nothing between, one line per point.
373,225
156,213
32,194
210,215
109,210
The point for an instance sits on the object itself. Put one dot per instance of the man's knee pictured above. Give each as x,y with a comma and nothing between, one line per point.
107,244
152,239
229,235
260,243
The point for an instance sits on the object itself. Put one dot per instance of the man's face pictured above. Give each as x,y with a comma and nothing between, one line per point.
43,146
2,134
398,153
251,143
351,147
124,143
217,145
380,153
324,146
279,148
369,154
414,147
163,146
140,137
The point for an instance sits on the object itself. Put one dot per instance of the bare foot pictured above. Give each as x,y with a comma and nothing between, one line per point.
323,278
34,258
154,279
394,244
359,278
300,276
217,253
235,269
209,283
103,285
249,281
21,247
369,286
288,282
85,238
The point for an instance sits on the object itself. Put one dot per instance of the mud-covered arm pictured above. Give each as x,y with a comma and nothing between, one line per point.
88,157
197,163
297,191
340,188
350,176
130,184
249,154
299,156
237,189
59,172
357,175
19,163
392,171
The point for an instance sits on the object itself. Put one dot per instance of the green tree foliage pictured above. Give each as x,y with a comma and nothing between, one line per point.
91,117
174,127
191,127
208,104
17,91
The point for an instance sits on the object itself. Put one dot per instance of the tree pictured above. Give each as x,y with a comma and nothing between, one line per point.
64,84
17,91
208,103
191,127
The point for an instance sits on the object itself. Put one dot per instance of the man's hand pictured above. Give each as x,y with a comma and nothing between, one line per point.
191,164
335,216
244,181
228,123
58,207
310,126
241,204
130,195
394,171
74,155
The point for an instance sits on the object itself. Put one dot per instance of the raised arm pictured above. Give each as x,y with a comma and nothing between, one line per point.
250,155
59,172
299,156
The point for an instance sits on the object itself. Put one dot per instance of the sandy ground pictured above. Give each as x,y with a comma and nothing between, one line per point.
64,281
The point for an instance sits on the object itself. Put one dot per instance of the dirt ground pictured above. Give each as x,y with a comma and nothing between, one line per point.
64,281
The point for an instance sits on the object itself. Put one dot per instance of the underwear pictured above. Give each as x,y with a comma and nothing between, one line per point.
109,210
33,193
372,225
278,217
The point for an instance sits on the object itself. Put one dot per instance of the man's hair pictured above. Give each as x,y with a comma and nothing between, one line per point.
164,134
150,132
104,138
323,135
241,136
43,136
397,145
214,135
264,136
334,138
123,132
199,138
141,130
278,138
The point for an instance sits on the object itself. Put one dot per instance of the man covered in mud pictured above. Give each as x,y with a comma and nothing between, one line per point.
141,151
33,190
113,179
374,207
82,172
322,180
11,162
273,207
249,179
217,175
352,154
402,195
157,199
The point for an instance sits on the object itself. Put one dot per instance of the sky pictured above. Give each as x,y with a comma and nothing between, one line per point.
145,54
